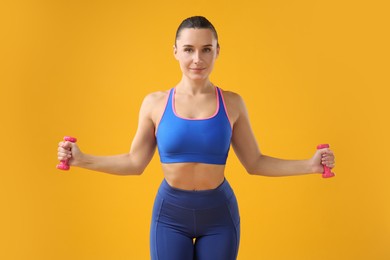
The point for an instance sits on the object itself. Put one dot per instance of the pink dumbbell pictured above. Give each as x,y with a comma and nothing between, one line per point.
327,172
63,165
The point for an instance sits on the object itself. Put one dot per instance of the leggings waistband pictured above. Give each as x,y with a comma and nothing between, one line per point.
196,199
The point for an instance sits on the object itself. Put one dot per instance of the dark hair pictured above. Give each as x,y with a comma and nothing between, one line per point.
196,22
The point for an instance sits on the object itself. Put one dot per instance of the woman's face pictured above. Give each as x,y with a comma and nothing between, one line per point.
196,51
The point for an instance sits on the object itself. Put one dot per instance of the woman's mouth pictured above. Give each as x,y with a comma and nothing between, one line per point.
197,69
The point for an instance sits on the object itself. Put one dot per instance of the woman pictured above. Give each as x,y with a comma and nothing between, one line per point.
195,214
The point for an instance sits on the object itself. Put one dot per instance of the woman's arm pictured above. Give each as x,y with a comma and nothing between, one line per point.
248,152
132,163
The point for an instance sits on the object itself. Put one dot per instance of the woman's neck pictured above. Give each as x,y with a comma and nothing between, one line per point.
194,87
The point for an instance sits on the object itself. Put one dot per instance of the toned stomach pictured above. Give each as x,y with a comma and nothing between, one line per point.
193,176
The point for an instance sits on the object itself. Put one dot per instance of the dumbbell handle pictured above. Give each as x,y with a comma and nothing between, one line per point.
327,172
63,165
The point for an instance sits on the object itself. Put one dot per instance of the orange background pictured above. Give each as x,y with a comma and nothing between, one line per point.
310,72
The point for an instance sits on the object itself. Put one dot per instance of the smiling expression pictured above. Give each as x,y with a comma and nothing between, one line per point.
196,50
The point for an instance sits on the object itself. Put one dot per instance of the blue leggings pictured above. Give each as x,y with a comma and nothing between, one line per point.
189,225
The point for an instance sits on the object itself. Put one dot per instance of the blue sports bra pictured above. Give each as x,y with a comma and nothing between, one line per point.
194,140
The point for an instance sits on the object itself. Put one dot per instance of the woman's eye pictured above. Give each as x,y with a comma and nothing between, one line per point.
206,49
187,50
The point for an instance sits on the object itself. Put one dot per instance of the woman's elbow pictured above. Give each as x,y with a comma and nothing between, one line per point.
137,170
251,170
136,165
140,171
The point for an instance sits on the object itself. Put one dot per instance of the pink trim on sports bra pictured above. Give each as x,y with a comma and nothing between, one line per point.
165,108
226,111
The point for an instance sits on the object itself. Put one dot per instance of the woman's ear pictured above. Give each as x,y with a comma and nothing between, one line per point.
175,51
218,49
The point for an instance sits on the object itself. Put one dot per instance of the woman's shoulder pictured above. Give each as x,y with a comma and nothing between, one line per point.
232,98
154,103
234,104
154,98
157,95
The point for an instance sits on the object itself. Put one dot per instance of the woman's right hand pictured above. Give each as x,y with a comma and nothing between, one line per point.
69,151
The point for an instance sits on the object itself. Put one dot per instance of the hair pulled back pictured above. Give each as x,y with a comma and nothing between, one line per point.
196,22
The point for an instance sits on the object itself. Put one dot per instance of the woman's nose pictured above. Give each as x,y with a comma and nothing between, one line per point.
196,58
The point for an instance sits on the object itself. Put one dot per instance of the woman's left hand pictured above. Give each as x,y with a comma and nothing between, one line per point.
322,157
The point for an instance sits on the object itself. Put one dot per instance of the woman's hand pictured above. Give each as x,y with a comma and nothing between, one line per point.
69,151
322,157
